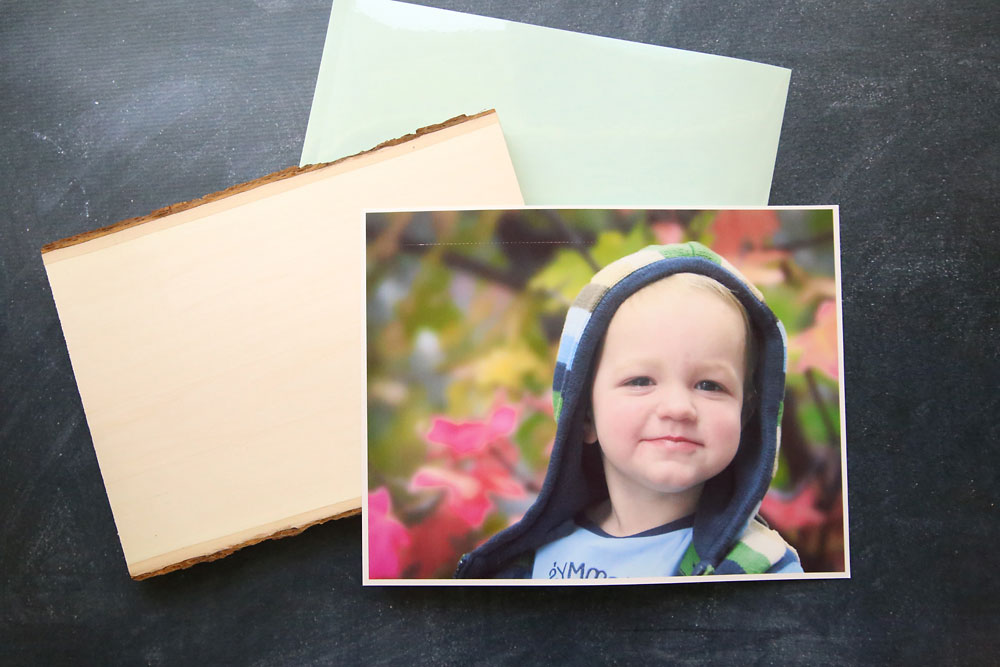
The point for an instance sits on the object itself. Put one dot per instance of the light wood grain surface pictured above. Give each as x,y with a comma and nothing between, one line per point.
219,351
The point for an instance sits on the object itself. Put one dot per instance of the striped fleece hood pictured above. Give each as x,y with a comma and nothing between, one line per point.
726,536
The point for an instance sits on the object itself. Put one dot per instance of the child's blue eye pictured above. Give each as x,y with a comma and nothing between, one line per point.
709,385
641,381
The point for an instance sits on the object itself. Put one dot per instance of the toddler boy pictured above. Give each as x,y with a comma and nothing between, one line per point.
668,390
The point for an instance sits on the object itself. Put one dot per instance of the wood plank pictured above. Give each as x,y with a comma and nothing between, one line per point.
218,345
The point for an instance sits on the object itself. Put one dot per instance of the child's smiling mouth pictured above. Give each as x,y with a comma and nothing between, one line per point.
674,443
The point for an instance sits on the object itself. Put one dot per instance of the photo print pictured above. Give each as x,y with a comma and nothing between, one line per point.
581,396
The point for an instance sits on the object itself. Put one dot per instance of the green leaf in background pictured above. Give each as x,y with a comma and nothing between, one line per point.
811,422
699,225
533,437
828,393
564,276
782,480
494,523
612,244
784,303
395,448
473,236
429,303
570,271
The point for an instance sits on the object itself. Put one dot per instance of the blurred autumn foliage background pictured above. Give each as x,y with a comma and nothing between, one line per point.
464,312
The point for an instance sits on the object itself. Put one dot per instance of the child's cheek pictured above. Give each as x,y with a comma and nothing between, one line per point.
726,427
631,416
614,418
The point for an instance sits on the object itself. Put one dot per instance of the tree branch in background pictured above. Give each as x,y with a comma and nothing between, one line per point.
511,278
832,437
799,244
578,243
831,472
797,452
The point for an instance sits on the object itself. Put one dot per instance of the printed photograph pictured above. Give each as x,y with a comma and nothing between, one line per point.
604,396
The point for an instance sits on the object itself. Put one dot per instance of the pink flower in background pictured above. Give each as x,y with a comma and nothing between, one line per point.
387,537
438,540
466,491
475,459
464,438
465,495
539,403
667,232
818,343
792,512
743,238
738,232
468,465
496,476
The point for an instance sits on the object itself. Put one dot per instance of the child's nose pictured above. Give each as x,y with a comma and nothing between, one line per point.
675,403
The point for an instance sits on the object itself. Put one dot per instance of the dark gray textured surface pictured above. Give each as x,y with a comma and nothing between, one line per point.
110,109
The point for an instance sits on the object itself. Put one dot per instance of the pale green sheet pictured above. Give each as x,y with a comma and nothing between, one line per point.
588,120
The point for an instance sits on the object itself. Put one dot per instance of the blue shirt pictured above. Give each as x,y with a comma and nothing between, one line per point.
585,551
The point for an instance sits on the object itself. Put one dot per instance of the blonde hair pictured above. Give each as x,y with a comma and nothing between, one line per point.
699,281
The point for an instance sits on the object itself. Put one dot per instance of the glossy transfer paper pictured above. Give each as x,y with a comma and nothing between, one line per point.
588,120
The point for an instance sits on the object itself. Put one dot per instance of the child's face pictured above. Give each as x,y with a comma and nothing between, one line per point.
668,391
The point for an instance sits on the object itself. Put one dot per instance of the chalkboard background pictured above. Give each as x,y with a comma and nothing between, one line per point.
109,109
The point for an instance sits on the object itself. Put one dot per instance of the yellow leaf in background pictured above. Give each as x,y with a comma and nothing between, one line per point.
509,367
